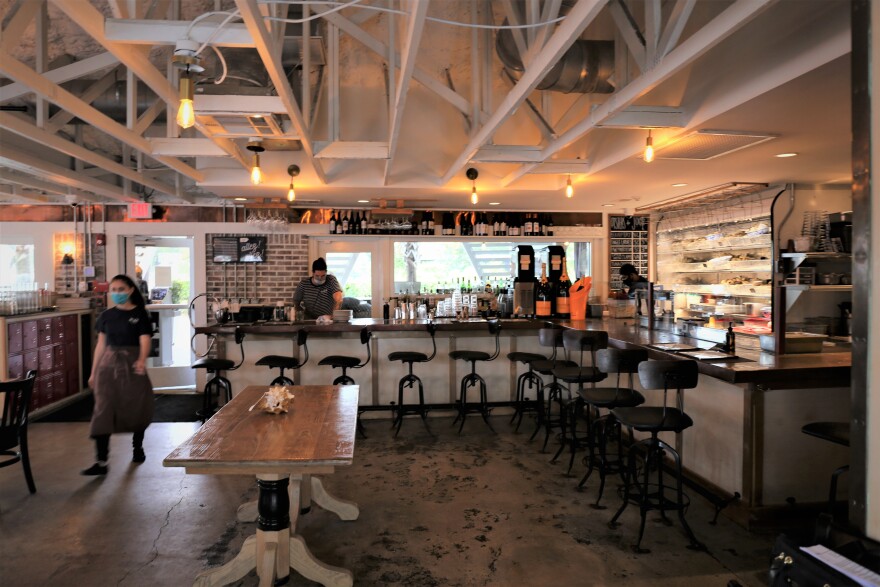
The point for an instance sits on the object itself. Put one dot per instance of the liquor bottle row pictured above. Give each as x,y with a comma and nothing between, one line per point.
517,224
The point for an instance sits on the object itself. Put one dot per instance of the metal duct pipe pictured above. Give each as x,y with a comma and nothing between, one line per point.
585,68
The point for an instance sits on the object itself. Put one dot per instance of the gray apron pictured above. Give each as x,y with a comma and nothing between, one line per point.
123,399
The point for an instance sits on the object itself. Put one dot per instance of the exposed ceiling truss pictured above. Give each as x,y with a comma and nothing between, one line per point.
309,101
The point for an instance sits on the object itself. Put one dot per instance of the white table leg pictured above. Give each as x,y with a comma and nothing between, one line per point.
346,510
232,571
309,567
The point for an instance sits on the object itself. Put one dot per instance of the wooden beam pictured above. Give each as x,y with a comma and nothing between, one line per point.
60,75
167,32
631,36
19,23
97,88
566,34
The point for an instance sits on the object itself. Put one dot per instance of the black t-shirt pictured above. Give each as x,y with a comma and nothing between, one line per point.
124,327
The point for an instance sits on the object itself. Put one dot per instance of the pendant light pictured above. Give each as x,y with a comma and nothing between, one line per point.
256,147
186,116
187,59
472,175
649,148
292,171
569,190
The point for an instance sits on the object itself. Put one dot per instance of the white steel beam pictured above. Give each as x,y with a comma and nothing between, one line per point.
186,147
566,34
653,22
721,27
353,150
168,32
513,18
19,23
62,74
559,166
23,179
97,88
149,116
419,10
681,12
630,35
421,75
272,62
507,154
645,117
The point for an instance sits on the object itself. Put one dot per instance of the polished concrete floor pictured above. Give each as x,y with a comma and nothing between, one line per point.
444,510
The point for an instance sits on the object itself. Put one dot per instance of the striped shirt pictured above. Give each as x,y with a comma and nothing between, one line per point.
318,299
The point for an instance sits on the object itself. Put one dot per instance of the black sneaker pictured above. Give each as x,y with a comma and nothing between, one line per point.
95,469
138,456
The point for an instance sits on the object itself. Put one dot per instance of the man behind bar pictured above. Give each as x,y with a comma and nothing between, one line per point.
320,294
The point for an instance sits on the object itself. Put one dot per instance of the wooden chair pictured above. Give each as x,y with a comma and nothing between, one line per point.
15,397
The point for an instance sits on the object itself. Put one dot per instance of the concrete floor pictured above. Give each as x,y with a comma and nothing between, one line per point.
475,509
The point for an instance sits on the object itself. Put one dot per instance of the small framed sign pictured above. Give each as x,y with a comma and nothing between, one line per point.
251,249
225,249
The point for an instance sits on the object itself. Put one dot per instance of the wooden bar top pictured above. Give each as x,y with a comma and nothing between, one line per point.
317,434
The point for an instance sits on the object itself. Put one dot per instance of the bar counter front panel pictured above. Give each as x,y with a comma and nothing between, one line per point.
747,414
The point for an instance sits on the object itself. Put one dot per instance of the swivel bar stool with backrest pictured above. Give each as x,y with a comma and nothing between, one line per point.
522,404
15,399
472,379
281,362
577,343
616,361
345,362
218,383
410,379
667,375
549,395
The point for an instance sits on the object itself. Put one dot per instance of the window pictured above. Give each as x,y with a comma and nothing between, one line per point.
428,266
17,263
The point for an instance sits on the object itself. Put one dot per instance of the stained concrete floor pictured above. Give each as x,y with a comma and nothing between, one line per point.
470,510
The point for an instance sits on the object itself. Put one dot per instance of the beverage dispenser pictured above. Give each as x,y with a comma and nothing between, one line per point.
524,284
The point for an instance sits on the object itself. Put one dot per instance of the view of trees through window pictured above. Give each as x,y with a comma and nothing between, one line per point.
427,266
17,263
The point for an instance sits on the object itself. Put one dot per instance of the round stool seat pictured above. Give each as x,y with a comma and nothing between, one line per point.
213,364
470,355
652,419
579,374
610,397
408,357
546,366
340,361
279,362
836,432
525,357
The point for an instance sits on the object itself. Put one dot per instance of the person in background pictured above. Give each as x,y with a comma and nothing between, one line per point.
632,280
123,391
320,294
142,285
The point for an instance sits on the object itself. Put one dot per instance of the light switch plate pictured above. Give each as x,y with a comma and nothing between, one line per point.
88,271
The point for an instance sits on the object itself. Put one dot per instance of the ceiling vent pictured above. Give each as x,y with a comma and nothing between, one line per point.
233,125
703,145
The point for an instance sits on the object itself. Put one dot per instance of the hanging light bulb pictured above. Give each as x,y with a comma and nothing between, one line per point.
186,116
472,175
569,190
256,147
649,148
292,171
474,198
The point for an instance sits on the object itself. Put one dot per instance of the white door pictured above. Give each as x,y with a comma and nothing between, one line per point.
351,262
163,267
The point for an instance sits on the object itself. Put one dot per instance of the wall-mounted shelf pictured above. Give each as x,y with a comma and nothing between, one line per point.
828,288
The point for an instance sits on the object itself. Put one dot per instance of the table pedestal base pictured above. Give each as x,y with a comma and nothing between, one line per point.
276,548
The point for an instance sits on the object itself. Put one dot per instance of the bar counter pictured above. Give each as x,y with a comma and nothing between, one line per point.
748,413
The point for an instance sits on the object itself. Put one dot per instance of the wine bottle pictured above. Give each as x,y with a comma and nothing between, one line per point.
364,223
339,223
496,225
332,222
563,301
536,225
423,225
345,226
543,295
502,225
430,223
527,227
549,225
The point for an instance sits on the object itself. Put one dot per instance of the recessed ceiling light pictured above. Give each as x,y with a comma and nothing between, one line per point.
241,199
679,185
363,201
607,205
783,155
257,116
494,203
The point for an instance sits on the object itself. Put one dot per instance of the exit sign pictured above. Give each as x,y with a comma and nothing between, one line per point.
140,210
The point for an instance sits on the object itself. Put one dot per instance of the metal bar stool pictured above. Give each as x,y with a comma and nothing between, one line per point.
409,380
550,393
473,379
838,433
650,495
281,362
616,361
217,383
345,362
580,342
522,404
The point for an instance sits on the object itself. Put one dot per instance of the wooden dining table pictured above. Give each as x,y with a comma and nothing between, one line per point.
286,452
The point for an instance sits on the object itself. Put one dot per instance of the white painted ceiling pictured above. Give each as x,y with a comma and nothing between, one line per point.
783,71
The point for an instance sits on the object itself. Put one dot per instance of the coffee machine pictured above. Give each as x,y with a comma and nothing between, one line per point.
525,283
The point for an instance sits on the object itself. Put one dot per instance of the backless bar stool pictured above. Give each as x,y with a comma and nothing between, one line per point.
522,404
549,394
667,375
473,380
580,342
345,362
616,361
282,362
409,380
217,383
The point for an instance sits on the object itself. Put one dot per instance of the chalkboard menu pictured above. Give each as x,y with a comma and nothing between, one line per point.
239,249
628,243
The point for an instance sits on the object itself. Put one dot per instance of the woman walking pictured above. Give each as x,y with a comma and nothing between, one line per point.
123,392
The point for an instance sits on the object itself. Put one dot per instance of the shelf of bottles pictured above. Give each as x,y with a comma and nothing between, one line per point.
441,223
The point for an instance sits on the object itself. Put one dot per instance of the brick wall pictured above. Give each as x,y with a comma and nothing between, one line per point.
65,280
287,262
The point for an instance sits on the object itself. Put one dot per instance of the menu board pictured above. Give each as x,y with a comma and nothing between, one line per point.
628,237
239,249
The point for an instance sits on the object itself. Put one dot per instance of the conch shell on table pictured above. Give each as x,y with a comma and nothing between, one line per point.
275,401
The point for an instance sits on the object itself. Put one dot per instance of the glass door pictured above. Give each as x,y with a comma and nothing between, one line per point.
163,269
352,264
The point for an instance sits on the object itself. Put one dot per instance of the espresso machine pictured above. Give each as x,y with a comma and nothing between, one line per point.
525,283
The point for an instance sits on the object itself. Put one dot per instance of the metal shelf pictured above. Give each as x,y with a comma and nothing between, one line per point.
828,288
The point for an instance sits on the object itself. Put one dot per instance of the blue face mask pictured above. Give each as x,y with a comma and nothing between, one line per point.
119,297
